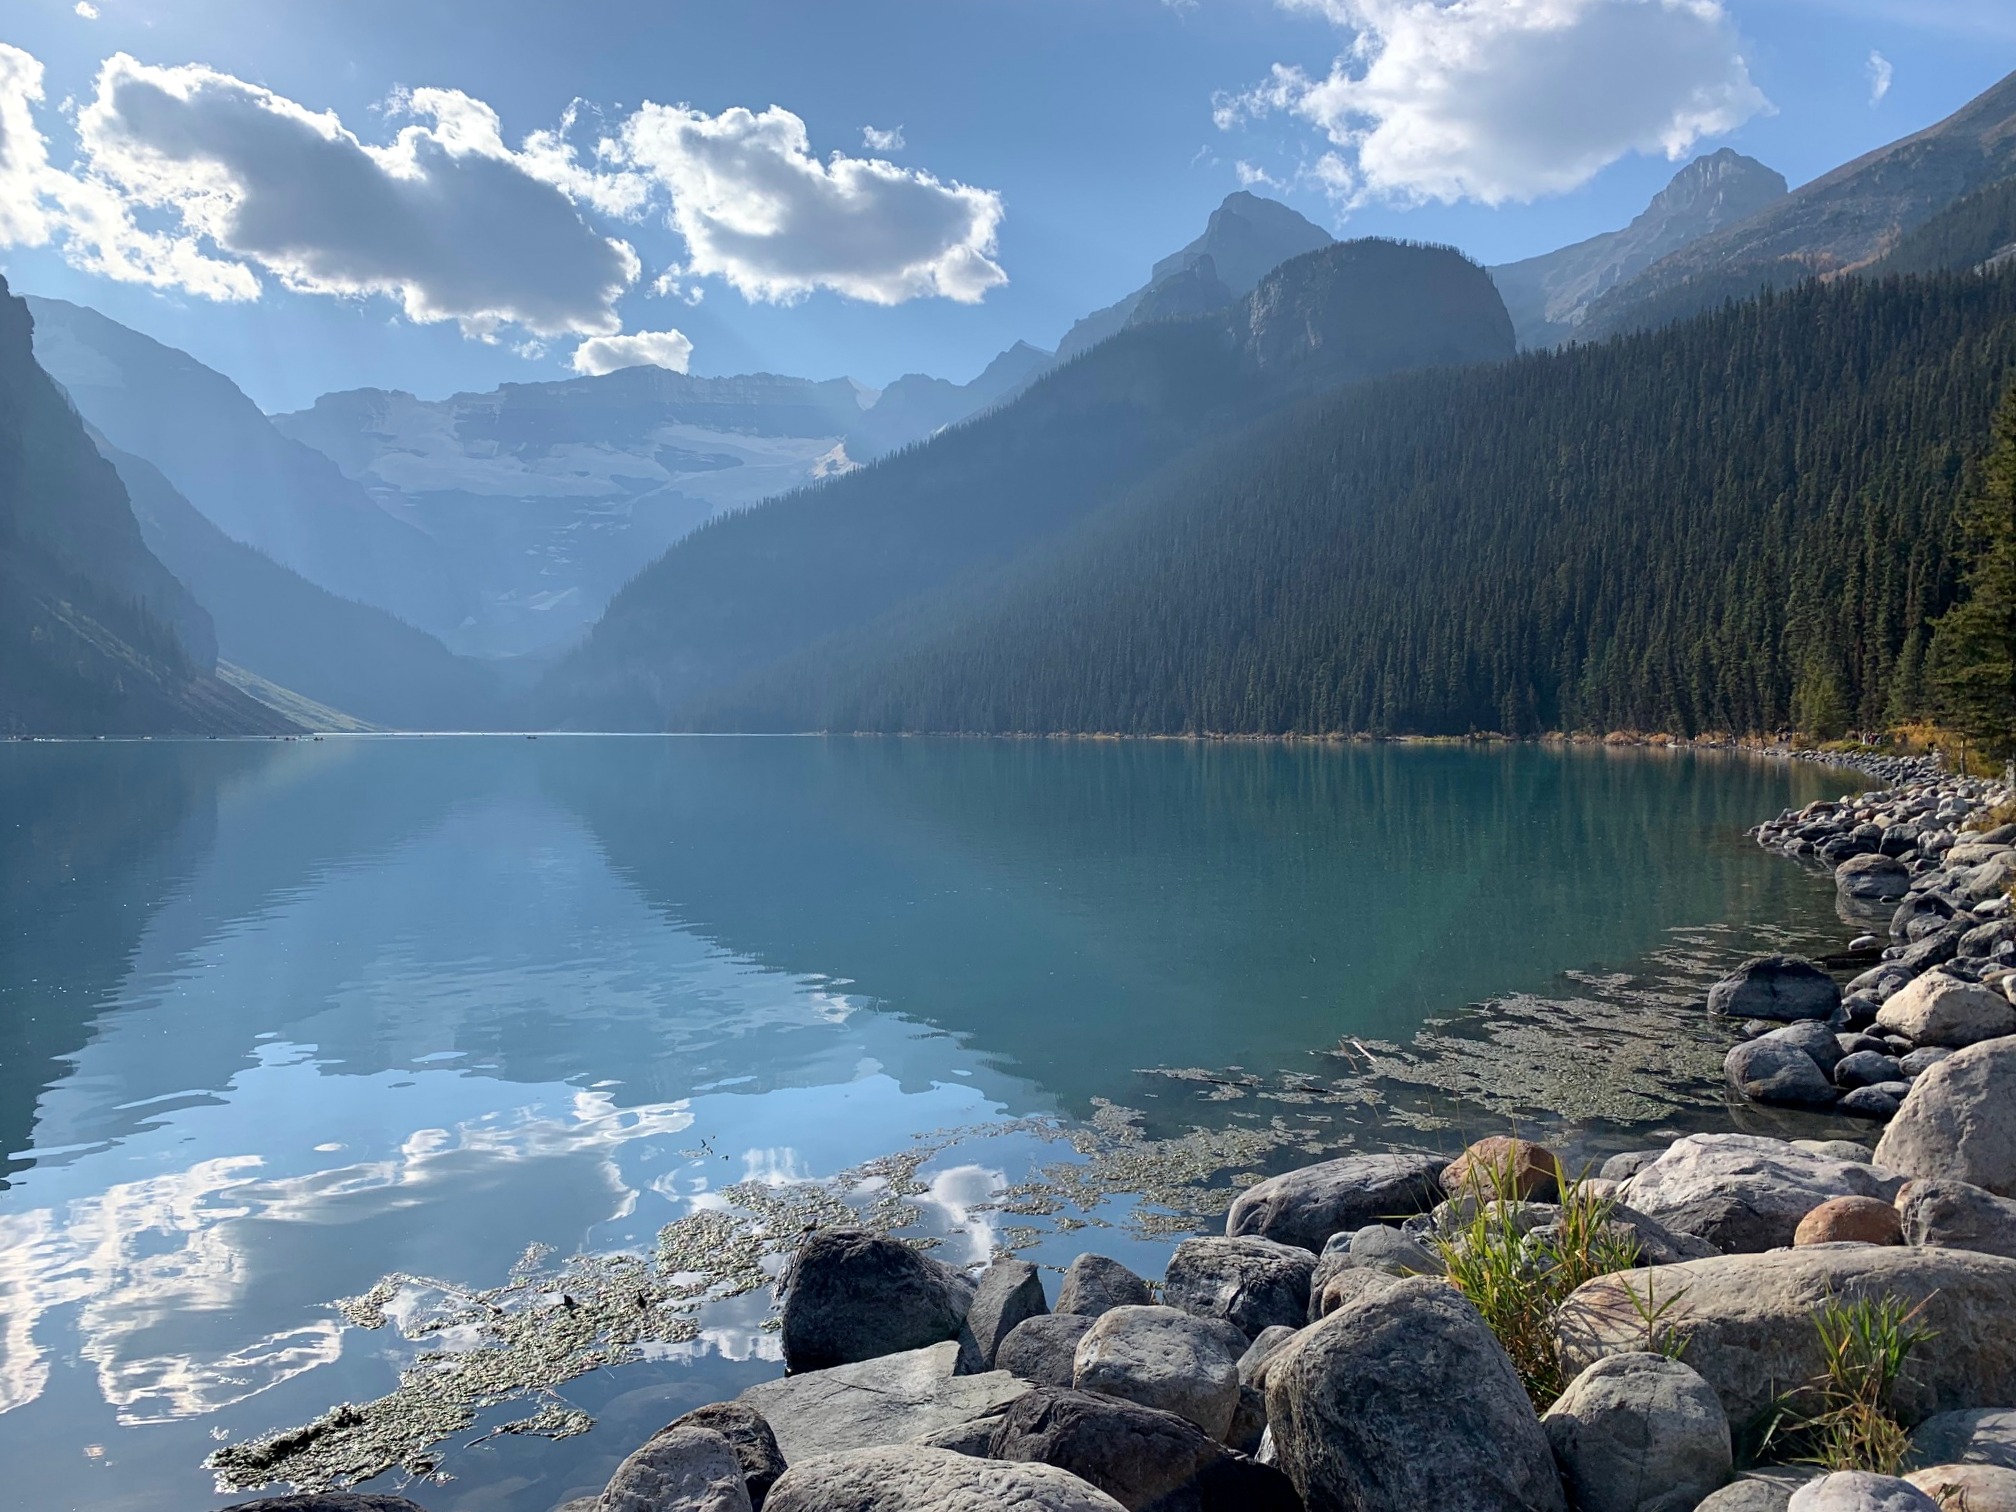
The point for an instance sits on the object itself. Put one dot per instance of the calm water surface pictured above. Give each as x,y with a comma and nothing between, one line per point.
279,1019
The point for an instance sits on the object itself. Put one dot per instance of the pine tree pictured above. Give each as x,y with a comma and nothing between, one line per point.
1974,643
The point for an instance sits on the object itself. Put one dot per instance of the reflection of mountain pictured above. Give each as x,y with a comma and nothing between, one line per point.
1077,910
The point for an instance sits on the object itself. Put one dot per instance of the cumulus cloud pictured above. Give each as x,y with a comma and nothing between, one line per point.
87,10
605,354
1881,72
1498,100
757,209
877,140
24,155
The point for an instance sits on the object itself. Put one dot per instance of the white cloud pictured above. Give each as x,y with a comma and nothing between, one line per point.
757,209
24,155
1881,72
87,10
877,140
1497,100
605,354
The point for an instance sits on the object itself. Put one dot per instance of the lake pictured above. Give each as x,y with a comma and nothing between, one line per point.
281,1019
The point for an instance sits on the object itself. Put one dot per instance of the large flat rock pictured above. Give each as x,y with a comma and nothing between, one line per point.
896,1399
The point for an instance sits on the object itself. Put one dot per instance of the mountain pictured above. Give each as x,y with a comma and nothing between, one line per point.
223,455
1246,238
96,636
274,623
1719,526
550,496
916,406
753,589
1549,295
1843,220
1976,232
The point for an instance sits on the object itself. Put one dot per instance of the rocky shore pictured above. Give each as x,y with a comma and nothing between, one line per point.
1729,1322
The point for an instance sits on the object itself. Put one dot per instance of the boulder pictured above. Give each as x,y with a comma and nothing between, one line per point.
1623,1167
1921,1060
1748,1320
1872,880
1373,1247
1093,1284
1968,1488
1042,1350
1306,1207
1980,1436
1010,1292
1880,1101
893,1399
1959,1120
1956,1215
1141,1457
1860,1491
1778,987
1260,1354
975,1438
748,1435
1992,878
1639,1433
1938,1009
1767,1489
1162,1358
1770,1071
1348,1287
1743,1192
1867,1068
1850,1220
1657,1244
918,1478
1816,1037
1403,1402
679,1470
1502,1166
1251,1283
851,1295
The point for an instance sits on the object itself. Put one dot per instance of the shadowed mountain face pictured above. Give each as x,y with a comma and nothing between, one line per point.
96,636
211,442
1843,220
755,589
1548,296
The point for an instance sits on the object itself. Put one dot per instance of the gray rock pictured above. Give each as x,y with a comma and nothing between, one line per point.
1968,1488
1923,1059
1768,1489
1983,939
1748,1320
1934,949
1835,1149
1260,1354
1771,1071
1141,1457
1307,1206
1990,879
917,1478
1880,1101
1980,1436
1872,880
1405,1402
1657,1244
748,1435
679,1470
1815,1036
1959,1120
1249,1420
1010,1292
1093,1284
1042,1350
1251,1283
1163,1358
851,1295
893,1399
1954,1215
1865,1068
975,1438
1938,1009
1373,1247
1859,1491
1742,1192
1778,987
1639,1433
1630,1163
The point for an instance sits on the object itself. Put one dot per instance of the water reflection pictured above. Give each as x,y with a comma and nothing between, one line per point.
277,1020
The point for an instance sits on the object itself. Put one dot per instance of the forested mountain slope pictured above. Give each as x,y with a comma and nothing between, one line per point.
96,636
751,589
1725,525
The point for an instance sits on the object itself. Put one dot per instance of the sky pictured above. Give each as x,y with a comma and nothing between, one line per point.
313,195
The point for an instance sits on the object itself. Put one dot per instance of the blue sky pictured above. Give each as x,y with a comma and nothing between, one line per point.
1090,138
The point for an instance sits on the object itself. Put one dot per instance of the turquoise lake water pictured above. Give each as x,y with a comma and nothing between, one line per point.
280,1019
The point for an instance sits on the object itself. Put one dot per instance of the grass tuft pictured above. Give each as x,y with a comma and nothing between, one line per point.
1844,1418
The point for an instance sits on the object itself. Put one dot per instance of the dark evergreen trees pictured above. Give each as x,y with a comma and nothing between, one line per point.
1974,643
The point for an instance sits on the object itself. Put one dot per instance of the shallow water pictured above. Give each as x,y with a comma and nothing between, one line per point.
278,1020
